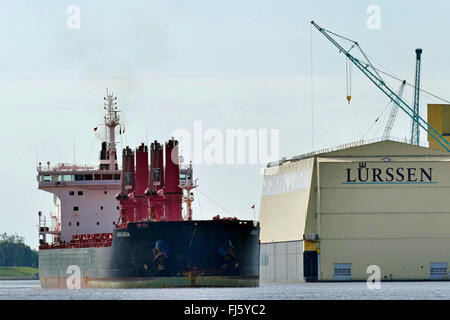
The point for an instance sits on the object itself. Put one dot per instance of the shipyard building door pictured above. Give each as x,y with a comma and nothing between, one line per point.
310,266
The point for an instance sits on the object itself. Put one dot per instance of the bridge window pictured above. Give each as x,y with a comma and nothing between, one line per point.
78,177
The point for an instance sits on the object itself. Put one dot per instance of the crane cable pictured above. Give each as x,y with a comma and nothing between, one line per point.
391,75
210,199
376,120
413,86
369,63
348,78
312,89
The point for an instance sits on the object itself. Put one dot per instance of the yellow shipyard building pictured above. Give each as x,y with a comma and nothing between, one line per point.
328,216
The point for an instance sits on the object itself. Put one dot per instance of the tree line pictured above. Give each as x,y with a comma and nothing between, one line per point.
15,253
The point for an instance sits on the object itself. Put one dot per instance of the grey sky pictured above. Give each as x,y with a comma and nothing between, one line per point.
230,64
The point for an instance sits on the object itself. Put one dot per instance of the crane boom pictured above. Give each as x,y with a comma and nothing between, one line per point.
379,82
393,114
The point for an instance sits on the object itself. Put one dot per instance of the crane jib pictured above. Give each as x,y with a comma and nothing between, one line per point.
378,81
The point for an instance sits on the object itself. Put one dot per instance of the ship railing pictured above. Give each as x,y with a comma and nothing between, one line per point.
82,241
65,167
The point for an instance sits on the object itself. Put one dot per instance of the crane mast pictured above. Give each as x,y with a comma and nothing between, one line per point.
415,130
393,114
379,82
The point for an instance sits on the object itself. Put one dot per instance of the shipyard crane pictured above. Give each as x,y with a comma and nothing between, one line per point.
393,114
415,130
370,72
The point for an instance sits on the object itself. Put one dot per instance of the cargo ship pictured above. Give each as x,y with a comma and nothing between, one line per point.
125,228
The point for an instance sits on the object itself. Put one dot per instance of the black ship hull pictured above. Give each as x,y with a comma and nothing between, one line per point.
218,253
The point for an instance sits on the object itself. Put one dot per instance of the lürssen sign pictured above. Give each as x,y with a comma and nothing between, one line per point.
401,175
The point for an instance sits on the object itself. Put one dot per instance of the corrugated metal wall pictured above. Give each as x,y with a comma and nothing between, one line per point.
282,261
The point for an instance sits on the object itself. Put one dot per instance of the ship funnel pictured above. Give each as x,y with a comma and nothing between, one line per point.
127,171
171,187
141,182
128,182
156,166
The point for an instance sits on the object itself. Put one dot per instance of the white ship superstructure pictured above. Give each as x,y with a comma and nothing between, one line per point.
84,196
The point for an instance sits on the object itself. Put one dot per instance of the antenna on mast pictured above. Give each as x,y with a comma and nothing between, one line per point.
112,120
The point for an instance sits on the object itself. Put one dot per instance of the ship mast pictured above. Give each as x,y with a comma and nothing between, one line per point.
187,183
111,122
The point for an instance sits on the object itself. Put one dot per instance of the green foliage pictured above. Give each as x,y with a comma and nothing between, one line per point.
14,252
18,271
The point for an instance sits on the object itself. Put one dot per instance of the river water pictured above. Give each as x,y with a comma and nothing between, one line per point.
30,289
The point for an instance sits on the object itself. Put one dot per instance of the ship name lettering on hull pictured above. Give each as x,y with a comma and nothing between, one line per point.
122,234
